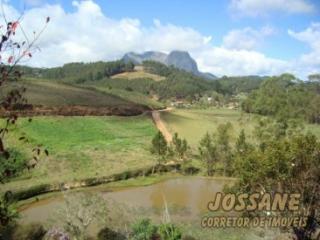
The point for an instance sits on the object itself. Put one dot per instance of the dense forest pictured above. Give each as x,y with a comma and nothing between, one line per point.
286,97
179,84
79,72
242,84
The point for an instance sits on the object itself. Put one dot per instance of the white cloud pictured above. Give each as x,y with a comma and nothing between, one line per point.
170,37
222,61
311,36
247,38
265,7
87,34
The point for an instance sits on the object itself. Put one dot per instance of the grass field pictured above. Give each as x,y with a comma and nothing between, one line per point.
133,97
82,147
138,74
193,124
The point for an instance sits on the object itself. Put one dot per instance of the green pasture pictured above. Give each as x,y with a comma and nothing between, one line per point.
82,147
193,124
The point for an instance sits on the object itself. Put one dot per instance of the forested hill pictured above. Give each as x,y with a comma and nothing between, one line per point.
174,84
79,72
181,83
178,83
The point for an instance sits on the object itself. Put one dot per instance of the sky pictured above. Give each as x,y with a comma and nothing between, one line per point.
225,37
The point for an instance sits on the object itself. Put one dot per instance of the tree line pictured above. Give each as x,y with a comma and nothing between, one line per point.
286,97
79,72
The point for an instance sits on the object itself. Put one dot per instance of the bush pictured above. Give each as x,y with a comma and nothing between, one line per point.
169,232
31,192
144,230
129,89
109,234
56,234
188,169
188,238
15,164
28,232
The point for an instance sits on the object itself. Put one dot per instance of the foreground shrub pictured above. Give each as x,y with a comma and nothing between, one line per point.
79,212
169,231
109,234
8,211
27,232
188,238
144,230
12,166
31,192
56,234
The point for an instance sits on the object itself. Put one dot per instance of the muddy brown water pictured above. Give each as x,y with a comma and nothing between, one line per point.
185,197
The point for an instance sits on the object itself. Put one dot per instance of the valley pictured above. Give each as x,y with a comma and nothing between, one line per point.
102,123
159,120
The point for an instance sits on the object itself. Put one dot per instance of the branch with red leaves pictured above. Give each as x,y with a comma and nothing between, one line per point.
11,54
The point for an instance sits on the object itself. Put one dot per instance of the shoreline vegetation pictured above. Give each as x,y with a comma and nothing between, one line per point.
91,182
118,185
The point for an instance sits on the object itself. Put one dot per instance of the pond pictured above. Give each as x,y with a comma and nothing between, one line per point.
186,198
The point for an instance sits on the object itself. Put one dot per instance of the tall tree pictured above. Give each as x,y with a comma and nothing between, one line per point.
159,147
223,146
208,153
180,146
242,146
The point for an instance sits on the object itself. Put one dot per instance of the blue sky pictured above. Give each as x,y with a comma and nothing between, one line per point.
280,35
215,18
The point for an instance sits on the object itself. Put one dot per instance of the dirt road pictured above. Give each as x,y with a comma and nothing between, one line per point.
160,125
